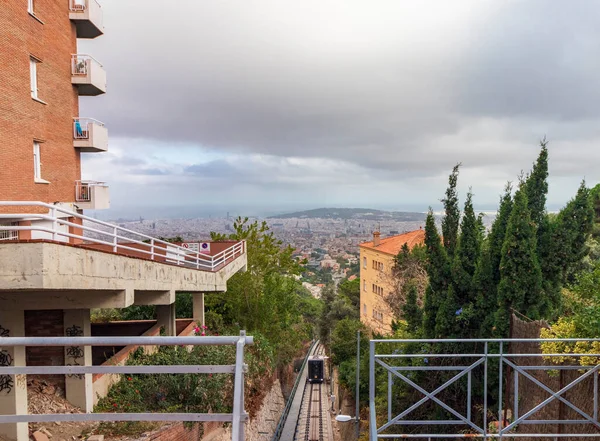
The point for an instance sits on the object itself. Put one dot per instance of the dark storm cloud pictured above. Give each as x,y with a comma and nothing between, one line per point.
383,94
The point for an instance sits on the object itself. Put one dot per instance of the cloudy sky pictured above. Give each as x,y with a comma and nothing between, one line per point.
269,105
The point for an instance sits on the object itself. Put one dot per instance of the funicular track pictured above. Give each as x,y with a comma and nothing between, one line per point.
314,421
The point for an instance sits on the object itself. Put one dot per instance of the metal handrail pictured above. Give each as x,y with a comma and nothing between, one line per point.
75,6
152,247
288,405
80,64
237,417
81,128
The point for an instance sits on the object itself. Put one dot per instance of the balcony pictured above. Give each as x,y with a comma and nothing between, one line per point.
92,195
89,135
88,74
87,16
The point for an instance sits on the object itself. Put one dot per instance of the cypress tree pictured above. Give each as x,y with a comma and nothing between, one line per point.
520,273
411,311
438,272
446,325
467,255
574,225
536,186
498,232
452,214
487,301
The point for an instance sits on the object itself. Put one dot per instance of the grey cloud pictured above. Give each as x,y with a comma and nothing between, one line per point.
396,93
149,172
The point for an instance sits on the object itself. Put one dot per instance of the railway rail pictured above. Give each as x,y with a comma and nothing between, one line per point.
314,422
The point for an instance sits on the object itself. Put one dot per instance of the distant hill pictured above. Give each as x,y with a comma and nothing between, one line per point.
353,213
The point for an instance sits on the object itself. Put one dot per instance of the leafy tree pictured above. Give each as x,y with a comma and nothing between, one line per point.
452,213
520,273
325,326
269,264
438,271
265,298
408,271
350,290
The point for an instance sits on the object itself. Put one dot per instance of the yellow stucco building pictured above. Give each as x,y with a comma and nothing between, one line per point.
376,263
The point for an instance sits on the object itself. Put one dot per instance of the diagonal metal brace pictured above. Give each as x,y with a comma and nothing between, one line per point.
431,396
555,395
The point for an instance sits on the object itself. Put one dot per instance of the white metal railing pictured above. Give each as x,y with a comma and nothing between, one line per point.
237,417
400,361
81,127
119,239
83,191
80,5
80,64
8,234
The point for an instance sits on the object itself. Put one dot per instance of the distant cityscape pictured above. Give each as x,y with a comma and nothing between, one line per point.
326,239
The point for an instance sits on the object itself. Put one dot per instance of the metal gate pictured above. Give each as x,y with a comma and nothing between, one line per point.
492,377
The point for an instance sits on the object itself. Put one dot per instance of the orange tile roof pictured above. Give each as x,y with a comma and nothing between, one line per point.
393,244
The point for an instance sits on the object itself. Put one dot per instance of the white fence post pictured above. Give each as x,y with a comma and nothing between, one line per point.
237,425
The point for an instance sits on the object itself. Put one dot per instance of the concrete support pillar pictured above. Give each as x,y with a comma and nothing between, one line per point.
165,316
79,389
13,388
198,307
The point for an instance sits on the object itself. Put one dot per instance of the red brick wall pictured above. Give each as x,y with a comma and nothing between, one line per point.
21,118
45,324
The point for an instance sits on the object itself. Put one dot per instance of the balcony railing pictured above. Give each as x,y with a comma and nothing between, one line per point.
111,237
83,190
87,15
90,135
8,234
81,127
88,74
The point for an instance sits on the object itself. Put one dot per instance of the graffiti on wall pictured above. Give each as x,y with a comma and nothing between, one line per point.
6,381
74,353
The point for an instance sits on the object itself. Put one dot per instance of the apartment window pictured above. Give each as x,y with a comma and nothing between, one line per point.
364,285
364,262
37,164
364,309
33,72
30,7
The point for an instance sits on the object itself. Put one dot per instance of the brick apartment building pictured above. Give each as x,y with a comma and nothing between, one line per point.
56,264
376,263
41,79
